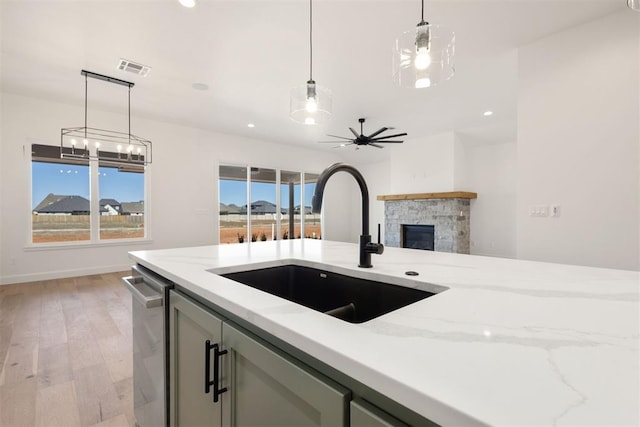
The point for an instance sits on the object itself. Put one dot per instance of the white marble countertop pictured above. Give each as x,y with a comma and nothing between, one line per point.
510,343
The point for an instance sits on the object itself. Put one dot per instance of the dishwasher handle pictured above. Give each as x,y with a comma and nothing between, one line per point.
143,293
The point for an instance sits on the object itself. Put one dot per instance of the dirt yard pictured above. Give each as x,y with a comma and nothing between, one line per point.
73,228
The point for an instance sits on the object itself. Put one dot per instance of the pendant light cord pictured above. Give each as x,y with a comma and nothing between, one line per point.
422,22
311,40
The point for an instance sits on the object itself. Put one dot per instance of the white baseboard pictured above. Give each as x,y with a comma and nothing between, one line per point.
63,274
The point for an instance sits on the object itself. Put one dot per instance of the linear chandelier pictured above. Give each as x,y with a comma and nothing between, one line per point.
423,56
311,103
101,144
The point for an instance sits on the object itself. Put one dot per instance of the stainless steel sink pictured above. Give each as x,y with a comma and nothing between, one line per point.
352,299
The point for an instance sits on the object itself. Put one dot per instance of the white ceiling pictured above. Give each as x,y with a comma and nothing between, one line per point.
251,53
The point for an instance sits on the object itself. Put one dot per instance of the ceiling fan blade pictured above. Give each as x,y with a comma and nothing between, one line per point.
389,136
341,137
378,132
354,132
375,145
328,142
392,142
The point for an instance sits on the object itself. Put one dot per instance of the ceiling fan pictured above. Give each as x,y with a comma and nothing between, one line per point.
374,140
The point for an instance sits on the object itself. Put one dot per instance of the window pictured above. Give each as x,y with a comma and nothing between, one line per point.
60,201
64,208
264,212
121,202
312,223
290,192
233,204
251,210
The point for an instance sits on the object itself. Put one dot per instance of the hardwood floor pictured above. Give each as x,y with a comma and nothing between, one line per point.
66,353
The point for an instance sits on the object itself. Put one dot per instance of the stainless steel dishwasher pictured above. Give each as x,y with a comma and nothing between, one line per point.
150,313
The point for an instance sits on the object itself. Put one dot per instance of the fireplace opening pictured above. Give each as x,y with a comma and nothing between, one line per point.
418,236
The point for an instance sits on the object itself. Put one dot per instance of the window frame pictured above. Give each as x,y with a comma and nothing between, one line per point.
47,153
279,196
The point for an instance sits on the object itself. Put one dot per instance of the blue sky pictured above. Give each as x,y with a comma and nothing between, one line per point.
236,192
73,180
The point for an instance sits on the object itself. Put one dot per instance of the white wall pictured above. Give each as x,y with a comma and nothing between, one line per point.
424,164
336,209
377,177
491,171
445,162
182,183
578,141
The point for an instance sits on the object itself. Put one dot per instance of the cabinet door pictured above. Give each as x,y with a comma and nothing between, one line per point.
190,328
268,389
364,414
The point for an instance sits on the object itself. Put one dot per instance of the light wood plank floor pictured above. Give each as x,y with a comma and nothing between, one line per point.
66,353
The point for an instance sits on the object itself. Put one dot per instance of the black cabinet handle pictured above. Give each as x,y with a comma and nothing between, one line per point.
216,369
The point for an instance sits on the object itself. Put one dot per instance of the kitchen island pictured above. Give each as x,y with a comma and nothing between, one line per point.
503,342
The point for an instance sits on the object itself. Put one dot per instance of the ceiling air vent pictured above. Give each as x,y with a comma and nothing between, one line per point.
133,67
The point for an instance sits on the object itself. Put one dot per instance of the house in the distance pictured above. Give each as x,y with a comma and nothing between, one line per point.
110,207
55,204
261,207
229,209
132,208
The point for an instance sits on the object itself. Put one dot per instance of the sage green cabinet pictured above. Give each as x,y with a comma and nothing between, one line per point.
190,326
267,389
263,385
364,414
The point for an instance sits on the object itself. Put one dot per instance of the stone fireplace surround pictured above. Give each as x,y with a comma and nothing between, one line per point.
449,213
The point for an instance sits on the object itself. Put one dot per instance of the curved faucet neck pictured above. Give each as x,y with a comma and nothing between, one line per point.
322,182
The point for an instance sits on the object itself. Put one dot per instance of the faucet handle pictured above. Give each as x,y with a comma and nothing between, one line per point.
375,248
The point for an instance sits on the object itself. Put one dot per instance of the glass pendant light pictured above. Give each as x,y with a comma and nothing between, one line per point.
311,103
634,5
423,57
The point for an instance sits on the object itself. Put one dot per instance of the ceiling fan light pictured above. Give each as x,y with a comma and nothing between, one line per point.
425,53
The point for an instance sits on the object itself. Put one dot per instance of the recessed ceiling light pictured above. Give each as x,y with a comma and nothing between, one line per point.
187,3
487,113
200,86
251,125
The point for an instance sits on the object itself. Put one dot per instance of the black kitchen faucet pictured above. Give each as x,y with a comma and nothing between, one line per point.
366,246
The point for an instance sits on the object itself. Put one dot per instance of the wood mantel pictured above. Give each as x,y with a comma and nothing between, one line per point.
417,196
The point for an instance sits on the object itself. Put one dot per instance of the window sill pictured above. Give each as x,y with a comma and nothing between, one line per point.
85,244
